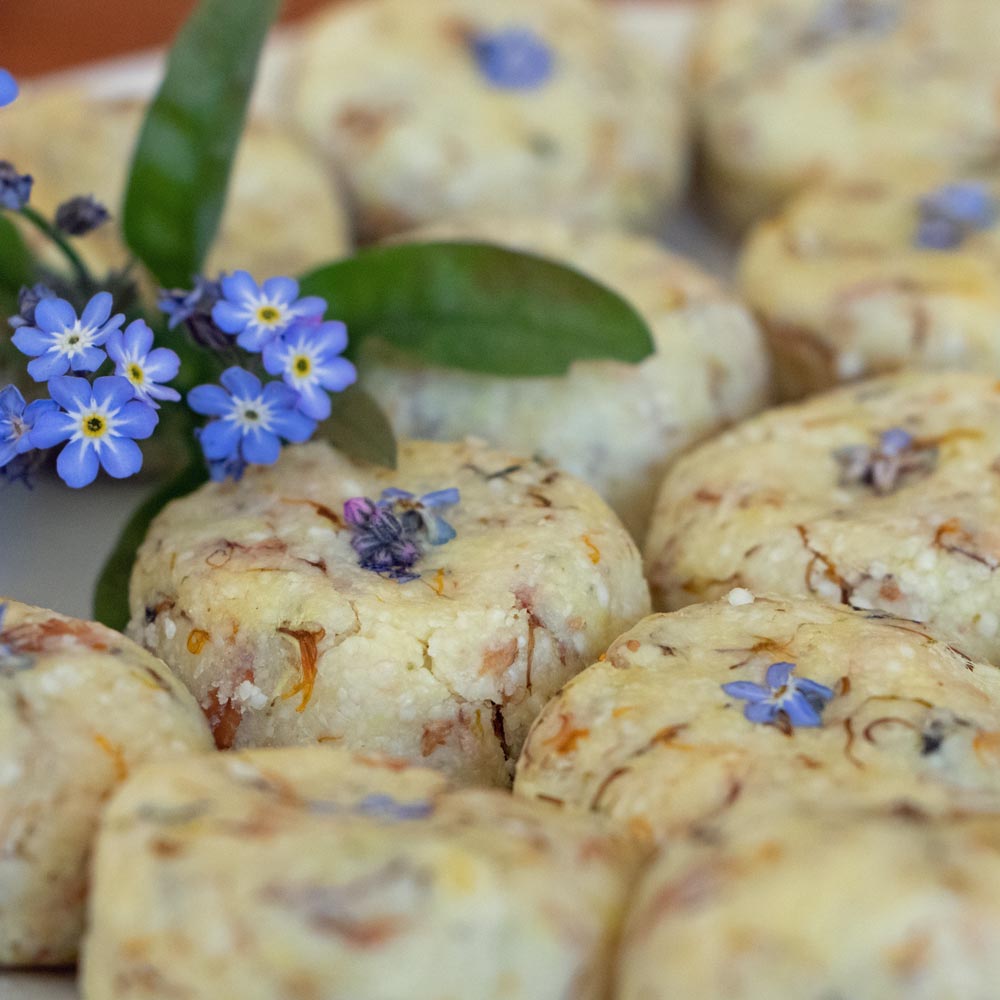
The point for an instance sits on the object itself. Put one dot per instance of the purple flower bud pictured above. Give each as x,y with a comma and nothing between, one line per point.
81,215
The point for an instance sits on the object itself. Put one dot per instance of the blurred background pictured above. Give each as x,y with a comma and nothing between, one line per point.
80,31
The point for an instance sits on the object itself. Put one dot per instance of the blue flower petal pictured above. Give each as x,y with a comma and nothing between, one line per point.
441,498
228,317
220,439
31,341
261,447
746,690
256,338
814,688
112,391
11,401
284,290
51,429
97,310
778,673
292,425
120,457
138,338
241,383
77,464
136,420
162,364
239,287
280,396
800,712
71,392
210,400
314,402
8,88
88,360
761,711
338,374
48,366
54,315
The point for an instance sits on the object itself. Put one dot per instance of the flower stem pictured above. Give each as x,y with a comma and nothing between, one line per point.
39,221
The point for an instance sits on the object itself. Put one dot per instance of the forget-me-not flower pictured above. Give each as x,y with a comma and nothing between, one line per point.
258,313
513,58
145,367
308,358
27,299
17,420
799,700
101,424
251,419
59,341
81,215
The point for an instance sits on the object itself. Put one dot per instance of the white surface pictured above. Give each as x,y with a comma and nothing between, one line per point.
54,540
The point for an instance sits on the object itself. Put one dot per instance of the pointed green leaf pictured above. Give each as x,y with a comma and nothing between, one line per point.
16,268
359,428
480,307
111,592
177,188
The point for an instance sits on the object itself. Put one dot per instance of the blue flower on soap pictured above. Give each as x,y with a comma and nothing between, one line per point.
8,88
782,697
951,213
513,58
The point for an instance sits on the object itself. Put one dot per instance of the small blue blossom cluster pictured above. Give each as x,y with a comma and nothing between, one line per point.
98,421
794,701
388,534
250,419
952,213
513,58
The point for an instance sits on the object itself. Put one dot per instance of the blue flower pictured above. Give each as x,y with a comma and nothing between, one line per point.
101,422
949,214
59,341
15,188
27,301
798,700
8,88
513,59
307,358
81,215
136,360
250,419
388,534
17,420
883,467
260,313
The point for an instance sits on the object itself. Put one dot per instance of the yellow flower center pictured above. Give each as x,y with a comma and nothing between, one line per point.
136,374
302,365
268,314
93,426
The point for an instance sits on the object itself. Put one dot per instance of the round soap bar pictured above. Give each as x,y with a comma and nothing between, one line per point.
256,597
790,90
80,707
820,905
614,425
514,106
883,495
303,872
708,715
863,277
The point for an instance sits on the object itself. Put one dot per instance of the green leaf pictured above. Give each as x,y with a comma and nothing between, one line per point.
111,592
480,307
358,427
180,170
16,267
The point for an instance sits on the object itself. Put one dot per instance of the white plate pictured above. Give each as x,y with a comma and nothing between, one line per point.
54,540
